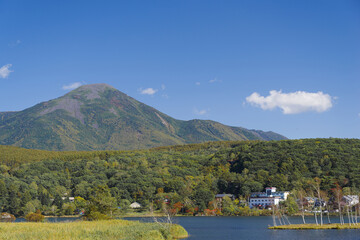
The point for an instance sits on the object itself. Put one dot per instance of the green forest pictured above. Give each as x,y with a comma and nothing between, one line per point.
186,177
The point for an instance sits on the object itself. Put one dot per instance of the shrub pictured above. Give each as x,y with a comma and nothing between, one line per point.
178,231
94,216
34,217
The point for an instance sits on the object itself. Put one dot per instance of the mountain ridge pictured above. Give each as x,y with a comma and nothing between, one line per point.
100,117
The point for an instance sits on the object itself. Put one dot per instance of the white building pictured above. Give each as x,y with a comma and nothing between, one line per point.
268,198
351,200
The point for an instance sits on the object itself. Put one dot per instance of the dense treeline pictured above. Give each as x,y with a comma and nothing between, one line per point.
187,177
12,156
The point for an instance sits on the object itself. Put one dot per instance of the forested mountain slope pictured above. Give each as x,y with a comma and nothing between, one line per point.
99,117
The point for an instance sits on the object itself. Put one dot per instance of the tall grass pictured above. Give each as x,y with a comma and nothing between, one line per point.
81,230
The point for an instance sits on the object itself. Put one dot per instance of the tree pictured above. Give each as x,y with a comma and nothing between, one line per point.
31,206
44,199
25,198
80,202
291,205
14,202
101,204
229,208
124,205
202,197
69,208
3,195
58,202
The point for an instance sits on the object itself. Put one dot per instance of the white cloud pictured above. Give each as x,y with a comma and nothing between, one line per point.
163,87
148,91
292,103
5,71
197,83
72,86
215,80
200,112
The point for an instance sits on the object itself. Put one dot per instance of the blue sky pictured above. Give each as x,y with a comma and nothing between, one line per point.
215,60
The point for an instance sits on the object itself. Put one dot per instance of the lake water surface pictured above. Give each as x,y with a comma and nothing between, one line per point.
254,228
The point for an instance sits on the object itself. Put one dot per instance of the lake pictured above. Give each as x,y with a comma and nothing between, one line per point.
254,228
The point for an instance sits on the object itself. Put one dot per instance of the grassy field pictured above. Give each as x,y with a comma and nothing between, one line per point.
314,226
102,230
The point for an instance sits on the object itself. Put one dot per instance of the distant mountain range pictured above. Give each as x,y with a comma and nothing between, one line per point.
100,117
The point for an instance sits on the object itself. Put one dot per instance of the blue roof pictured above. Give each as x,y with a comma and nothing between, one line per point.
223,195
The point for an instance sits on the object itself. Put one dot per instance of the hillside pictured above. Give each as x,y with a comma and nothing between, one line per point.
99,117
189,174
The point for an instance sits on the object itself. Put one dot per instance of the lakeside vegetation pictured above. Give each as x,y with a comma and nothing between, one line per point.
113,229
186,178
314,226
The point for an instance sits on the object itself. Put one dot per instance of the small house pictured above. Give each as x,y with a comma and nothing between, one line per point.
219,197
135,205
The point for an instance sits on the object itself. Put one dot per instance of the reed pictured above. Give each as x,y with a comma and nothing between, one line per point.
81,230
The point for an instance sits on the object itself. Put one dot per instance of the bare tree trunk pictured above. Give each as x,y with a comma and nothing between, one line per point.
340,215
301,197
328,214
316,220
321,214
320,204
287,219
316,186
302,215
282,218
167,223
348,213
279,218
352,215
273,215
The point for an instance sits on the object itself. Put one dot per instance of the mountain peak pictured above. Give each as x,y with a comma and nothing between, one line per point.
96,86
98,116
92,91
